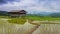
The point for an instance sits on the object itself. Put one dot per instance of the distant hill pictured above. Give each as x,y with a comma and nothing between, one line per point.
55,15
41,14
3,13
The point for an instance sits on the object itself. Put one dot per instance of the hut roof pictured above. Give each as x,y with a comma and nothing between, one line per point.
17,11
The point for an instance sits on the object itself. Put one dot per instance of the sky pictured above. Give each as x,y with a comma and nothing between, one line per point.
31,5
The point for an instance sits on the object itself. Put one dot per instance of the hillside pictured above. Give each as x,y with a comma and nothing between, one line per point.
55,15
3,13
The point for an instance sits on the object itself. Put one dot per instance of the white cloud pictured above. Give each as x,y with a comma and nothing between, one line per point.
32,5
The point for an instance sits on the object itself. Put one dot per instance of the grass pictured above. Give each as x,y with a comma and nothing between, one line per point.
42,18
17,20
43,27
23,19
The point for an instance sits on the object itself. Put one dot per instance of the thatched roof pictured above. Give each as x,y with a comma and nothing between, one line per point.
17,11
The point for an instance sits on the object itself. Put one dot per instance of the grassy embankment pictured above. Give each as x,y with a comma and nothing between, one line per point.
23,20
42,18
16,20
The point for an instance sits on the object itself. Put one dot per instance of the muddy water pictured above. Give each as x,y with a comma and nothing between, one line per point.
8,28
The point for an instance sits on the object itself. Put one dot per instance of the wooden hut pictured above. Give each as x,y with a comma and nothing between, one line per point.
17,13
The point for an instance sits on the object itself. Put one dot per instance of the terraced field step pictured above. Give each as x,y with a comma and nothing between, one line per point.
47,22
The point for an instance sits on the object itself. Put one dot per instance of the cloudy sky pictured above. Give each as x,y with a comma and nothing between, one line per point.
31,5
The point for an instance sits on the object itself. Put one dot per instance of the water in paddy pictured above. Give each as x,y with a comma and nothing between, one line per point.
8,28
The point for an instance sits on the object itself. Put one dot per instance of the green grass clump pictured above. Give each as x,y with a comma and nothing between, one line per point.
17,20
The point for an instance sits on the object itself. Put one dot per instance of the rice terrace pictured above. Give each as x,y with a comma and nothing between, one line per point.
29,16
13,23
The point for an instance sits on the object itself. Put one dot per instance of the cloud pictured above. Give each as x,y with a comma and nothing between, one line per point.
33,5
6,1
